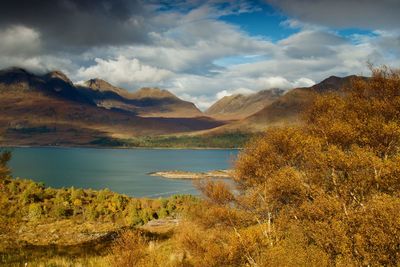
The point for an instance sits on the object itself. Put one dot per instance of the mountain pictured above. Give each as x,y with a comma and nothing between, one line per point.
54,84
146,102
287,108
239,106
50,110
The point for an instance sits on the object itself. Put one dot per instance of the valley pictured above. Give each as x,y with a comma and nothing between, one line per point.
49,110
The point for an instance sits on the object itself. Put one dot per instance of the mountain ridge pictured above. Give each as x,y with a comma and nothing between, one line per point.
146,102
239,106
48,109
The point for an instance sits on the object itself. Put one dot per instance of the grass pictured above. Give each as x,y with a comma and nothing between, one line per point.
70,227
225,140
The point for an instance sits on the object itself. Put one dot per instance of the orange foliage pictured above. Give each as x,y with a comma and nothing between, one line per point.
327,190
323,193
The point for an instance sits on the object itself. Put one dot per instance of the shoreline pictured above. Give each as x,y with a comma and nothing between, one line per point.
188,175
121,147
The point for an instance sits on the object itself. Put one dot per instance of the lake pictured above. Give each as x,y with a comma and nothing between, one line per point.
121,170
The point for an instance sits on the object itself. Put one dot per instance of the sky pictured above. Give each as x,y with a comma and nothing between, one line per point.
200,50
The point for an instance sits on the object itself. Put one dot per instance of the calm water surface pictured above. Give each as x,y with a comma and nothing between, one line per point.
121,170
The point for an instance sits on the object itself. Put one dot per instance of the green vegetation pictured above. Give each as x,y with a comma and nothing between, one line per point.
32,215
108,142
32,130
224,140
33,201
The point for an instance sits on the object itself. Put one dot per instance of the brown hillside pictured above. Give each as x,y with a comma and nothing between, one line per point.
146,102
286,109
240,106
48,110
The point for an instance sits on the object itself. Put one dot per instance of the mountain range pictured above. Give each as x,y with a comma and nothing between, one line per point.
49,109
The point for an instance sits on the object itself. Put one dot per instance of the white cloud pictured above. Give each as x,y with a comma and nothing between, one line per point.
241,90
223,93
303,82
274,82
202,101
124,71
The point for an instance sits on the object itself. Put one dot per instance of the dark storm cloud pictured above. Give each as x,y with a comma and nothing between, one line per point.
79,23
367,14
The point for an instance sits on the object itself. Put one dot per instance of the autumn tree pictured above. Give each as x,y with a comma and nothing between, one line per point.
325,193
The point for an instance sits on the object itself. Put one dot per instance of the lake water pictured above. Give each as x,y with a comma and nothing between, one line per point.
121,170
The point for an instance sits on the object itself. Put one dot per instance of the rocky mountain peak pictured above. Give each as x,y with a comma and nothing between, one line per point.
152,92
58,75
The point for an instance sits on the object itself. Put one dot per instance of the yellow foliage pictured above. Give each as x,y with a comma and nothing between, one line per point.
324,193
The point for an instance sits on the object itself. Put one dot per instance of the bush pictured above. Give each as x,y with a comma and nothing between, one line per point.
35,211
62,210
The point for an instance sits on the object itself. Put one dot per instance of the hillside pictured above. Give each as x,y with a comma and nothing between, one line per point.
286,109
146,102
239,106
50,110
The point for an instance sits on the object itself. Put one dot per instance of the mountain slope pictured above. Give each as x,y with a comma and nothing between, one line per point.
146,102
287,108
55,84
49,109
239,106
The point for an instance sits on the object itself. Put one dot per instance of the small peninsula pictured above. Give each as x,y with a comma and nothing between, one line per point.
176,174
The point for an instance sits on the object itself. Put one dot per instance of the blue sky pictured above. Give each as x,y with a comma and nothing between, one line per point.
266,22
201,50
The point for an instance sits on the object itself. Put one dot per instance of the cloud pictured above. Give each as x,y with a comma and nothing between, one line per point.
243,91
79,23
124,71
300,60
366,14
192,47
184,46
306,44
303,82
19,41
281,82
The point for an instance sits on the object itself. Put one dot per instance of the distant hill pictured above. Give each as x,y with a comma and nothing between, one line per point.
146,102
239,106
287,108
50,110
